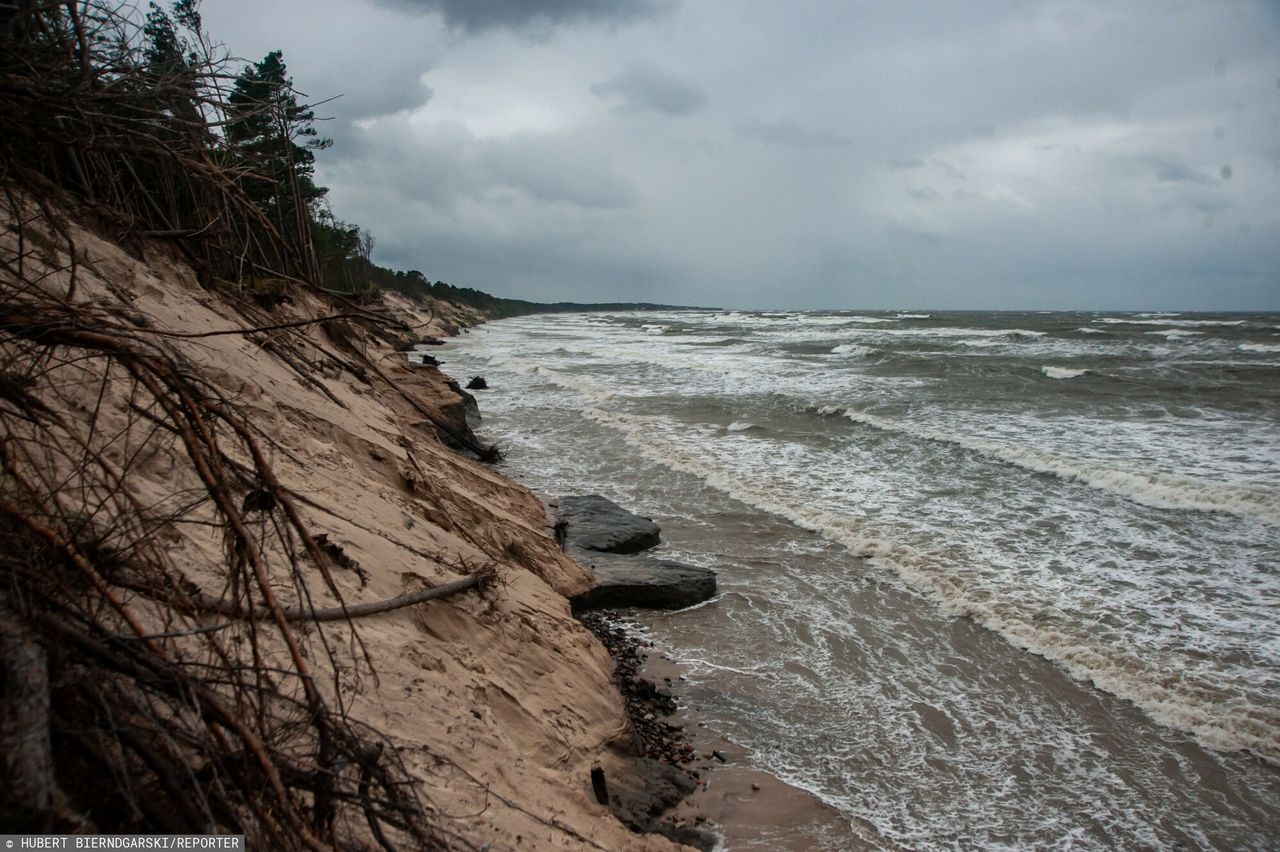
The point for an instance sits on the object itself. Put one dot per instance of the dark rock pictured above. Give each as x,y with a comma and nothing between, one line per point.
477,383
596,523
657,787
643,582
455,421
429,341
599,786
470,410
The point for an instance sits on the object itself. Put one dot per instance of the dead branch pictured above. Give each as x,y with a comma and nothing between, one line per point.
205,603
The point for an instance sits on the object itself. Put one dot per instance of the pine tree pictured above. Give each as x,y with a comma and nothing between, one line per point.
264,129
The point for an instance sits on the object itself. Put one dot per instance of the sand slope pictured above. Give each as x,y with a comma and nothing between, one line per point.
500,703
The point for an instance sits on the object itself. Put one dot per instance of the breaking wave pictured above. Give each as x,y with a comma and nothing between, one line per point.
1062,372
1158,490
1219,717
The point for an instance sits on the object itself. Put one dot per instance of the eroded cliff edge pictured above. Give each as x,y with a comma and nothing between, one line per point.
494,702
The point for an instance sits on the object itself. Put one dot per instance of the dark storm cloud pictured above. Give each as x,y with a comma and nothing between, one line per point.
995,154
639,87
395,92
788,131
538,16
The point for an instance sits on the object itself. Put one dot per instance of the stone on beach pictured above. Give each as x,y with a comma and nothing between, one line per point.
597,523
599,533
644,582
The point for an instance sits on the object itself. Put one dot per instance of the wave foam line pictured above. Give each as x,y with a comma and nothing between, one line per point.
1223,718
1062,372
1160,491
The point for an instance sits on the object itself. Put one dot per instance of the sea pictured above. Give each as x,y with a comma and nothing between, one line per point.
987,580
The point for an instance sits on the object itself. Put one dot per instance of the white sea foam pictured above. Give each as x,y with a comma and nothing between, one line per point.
1174,333
842,320
1062,372
1219,717
1014,333
1259,347
1087,330
851,349
1161,491
914,316
741,426
1178,322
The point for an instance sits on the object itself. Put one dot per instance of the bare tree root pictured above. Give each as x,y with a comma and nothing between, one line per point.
203,728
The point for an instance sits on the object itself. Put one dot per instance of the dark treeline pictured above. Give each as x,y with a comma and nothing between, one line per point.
414,284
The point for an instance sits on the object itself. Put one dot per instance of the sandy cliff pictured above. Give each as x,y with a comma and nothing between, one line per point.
497,702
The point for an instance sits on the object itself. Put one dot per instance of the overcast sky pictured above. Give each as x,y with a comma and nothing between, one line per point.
1013,155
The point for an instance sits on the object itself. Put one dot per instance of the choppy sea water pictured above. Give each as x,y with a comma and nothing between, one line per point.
986,579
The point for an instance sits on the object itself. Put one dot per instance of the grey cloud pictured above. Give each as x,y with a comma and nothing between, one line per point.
541,169
403,93
905,162
1103,123
451,164
1166,168
948,169
915,234
530,266
638,88
1172,170
788,131
532,16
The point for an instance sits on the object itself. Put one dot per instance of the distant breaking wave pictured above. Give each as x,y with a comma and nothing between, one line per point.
1176,332
1161,491
1178,322
1062,372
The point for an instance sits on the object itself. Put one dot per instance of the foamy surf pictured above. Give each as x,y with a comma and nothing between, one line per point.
1063,372
1220,718
1160,491
1019,567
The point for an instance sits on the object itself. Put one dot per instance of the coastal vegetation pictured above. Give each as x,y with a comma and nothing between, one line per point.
216,467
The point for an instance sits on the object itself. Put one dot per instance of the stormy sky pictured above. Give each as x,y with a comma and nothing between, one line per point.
1108,155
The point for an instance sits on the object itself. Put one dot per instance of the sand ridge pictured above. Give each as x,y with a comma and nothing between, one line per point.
500,704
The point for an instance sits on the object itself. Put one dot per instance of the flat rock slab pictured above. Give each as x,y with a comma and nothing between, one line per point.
641,581
597,523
